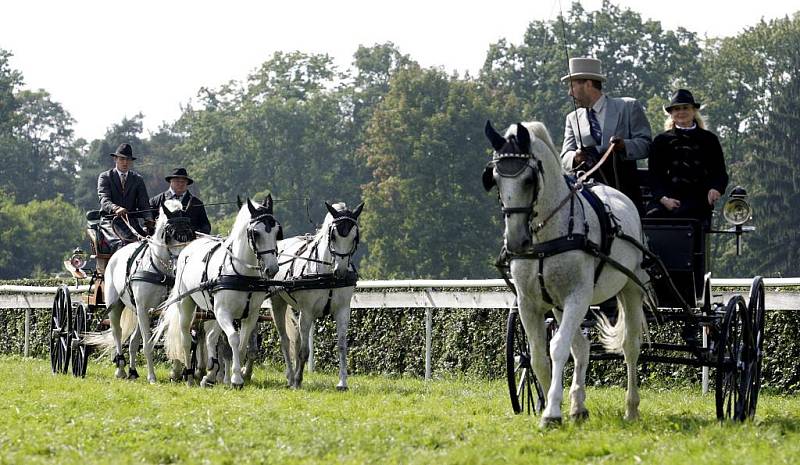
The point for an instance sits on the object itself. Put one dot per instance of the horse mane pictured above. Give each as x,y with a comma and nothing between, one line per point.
323,230
539,136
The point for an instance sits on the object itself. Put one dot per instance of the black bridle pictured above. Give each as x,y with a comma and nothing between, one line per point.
269,222
513,165
343,225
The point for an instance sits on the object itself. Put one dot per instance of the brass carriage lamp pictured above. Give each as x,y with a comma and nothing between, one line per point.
737,211
78,259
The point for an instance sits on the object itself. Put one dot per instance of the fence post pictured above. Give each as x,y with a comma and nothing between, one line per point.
26,347
428,333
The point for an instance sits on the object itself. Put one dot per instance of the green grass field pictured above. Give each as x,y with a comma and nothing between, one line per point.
63,420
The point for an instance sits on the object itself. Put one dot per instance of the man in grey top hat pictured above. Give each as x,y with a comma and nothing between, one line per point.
599,121
122,192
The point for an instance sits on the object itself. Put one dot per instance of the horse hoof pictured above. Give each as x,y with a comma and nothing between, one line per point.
190,382
206,383
120,374
579,417
550,422
237,387
133,374
152,381
342,388
632,417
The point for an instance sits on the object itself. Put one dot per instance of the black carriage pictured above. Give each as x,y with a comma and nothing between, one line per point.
726,336
70,320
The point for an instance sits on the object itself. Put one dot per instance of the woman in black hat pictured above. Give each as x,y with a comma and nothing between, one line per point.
179,182
687,167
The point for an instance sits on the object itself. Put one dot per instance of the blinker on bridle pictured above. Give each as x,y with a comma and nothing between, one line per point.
509,170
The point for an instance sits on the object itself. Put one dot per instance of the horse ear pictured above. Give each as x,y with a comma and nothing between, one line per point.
523,138
238,201
357,211
488,177
267,203
334,212
494,137
251,207
165,210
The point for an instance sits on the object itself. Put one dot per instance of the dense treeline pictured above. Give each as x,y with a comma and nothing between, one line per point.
408,141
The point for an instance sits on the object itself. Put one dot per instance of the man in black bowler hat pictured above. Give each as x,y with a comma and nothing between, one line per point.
179,182
122,192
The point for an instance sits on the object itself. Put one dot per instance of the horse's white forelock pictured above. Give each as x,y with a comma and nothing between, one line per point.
541,142
172,205
323,230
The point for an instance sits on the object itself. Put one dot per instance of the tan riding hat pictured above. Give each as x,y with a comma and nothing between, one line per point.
584,68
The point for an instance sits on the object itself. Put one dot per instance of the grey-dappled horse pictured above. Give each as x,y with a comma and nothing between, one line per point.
544,215
327,254
245,258
139,276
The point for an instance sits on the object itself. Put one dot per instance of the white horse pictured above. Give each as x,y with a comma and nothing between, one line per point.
227,278
140,276
326,257
539,208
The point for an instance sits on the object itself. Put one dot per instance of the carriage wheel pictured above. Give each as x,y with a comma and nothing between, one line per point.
80,352
521,381
757,311
736,362
59,331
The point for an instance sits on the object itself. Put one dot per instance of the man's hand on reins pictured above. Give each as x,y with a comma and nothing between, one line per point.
618,143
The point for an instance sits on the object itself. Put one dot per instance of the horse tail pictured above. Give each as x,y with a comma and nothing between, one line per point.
169,328
105,339
611,336
292,331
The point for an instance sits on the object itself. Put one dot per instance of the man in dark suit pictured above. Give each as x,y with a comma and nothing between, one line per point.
122,192
599,121
179,182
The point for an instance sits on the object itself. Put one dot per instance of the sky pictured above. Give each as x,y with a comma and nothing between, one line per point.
107,60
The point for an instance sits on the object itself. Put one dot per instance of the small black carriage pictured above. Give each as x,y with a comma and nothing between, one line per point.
726,336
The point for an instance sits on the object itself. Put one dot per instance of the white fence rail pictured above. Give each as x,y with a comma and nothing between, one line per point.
419,294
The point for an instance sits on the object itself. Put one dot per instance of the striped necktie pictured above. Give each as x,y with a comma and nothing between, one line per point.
122,178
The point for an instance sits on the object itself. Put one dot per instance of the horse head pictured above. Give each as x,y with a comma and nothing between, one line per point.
174,227
262,232
343,235
517,173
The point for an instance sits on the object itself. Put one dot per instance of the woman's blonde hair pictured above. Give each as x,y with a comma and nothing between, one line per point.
698,119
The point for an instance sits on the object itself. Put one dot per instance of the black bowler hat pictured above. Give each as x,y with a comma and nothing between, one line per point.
180,173
681,97
124,151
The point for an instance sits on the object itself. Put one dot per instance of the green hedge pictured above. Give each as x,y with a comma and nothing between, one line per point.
392,341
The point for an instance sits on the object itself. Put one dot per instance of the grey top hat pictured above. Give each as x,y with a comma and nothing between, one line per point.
584,68
124,151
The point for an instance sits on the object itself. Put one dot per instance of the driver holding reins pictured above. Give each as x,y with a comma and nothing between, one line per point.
599,121
122,192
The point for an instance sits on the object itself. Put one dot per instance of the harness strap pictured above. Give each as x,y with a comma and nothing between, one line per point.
153,278
204,279
327,309
128,266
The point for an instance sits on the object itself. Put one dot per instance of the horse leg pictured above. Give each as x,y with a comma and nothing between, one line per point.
143,317
304,350
186,309
534,326
342,323
631,314
114,316
250,358
577,393
247,330
574,311
133,348
212,332
226,323
279,312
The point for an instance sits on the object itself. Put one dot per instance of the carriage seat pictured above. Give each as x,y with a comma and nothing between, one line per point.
100,246
681,245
